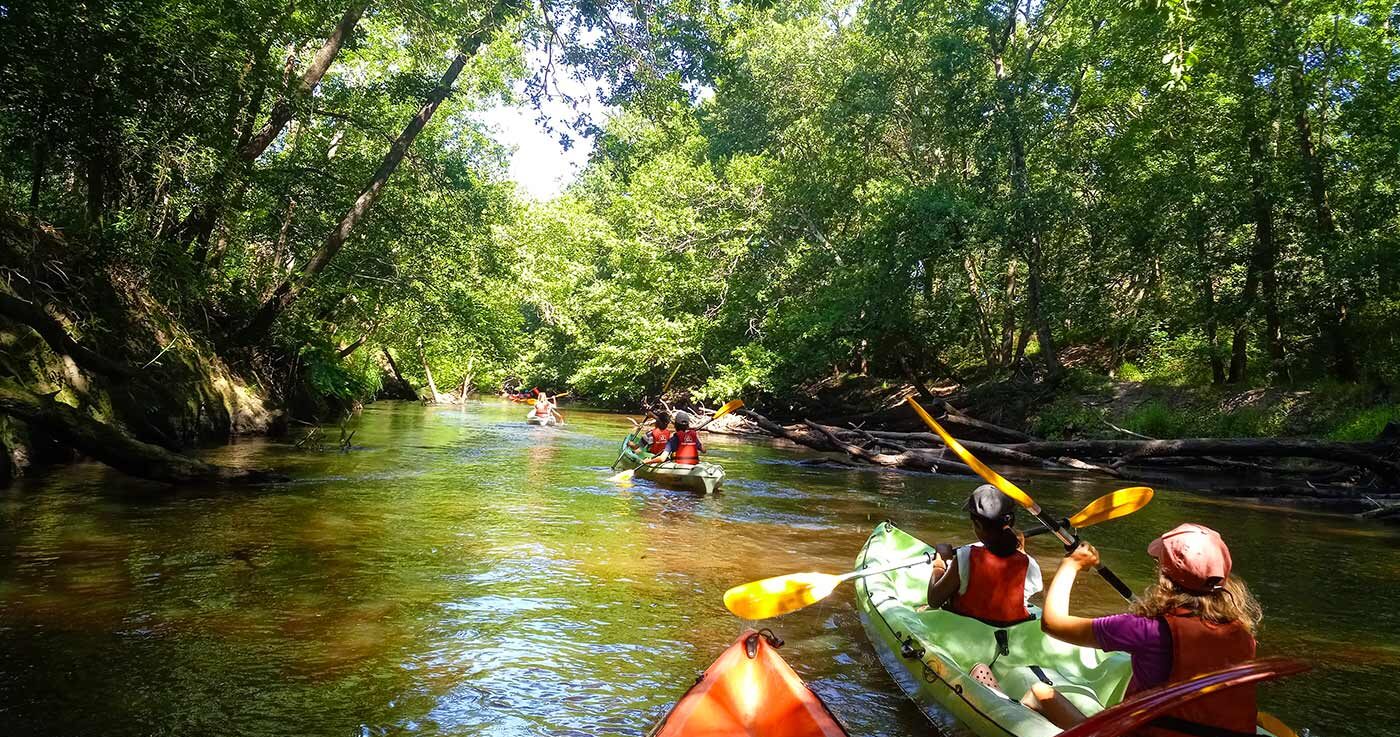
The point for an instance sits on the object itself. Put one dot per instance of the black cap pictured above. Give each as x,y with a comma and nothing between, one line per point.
988,503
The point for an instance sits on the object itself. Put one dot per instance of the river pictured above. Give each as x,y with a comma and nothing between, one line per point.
459,572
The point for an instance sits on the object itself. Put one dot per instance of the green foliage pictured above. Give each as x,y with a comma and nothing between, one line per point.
783,192
1066,418
329,376
1365,424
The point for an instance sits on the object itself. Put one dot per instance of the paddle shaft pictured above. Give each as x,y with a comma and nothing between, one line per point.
907,562
1011,490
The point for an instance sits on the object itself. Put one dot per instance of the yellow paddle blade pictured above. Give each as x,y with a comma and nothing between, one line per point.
992,477
728,407
779,595
1275,726
624,476
1112,506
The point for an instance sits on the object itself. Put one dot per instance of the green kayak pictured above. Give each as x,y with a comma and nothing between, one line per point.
701,477
929,653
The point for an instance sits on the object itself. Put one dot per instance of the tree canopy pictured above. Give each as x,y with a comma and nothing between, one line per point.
782,192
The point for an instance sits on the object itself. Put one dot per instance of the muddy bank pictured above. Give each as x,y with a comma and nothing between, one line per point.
91,336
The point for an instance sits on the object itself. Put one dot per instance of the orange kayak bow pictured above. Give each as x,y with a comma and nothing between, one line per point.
750,691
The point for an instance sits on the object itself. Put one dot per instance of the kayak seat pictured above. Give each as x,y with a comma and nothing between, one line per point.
1016,680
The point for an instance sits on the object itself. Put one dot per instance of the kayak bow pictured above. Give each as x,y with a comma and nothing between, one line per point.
749,691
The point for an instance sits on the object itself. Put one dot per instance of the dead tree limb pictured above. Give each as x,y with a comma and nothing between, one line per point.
112,446
918,460
1373,456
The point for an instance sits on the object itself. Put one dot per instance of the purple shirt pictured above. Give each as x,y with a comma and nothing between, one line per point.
1148,640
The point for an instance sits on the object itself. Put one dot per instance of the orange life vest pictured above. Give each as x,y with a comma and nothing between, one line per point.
657,439
1199,646
996,588
687,447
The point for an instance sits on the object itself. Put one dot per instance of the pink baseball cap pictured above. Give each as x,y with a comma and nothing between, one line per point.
1193,557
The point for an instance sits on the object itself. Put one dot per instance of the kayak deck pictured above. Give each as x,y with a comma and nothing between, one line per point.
749,690
930,653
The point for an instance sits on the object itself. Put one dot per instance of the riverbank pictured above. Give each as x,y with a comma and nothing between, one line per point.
1246,444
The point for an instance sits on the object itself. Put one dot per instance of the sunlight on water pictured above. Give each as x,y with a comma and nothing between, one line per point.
461,572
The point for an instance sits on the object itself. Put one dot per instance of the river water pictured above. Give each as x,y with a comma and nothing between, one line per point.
460,572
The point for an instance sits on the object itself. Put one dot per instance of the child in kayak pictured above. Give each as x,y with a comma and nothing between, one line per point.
657,437
991,579
654,440
1194,619
684,445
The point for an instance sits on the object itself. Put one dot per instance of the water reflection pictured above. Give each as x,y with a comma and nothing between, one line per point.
462,572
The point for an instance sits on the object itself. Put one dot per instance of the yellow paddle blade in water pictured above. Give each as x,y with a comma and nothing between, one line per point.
1112,506
779,595
625,475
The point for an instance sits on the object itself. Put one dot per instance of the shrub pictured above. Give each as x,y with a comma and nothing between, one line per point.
1066,418
1364,424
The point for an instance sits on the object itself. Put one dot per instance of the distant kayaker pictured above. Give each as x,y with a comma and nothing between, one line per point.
684,445
991,579
657,437
546,408
1194,619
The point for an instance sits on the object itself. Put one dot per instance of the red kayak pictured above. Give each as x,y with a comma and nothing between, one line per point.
750,691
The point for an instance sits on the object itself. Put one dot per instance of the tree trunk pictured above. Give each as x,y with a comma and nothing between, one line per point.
285,107
113,447
1332,316
1009,352
36,177
1261,208
288,291
427,371
1203,262
394,368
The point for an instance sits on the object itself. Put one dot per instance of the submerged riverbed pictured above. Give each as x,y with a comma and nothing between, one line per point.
460,572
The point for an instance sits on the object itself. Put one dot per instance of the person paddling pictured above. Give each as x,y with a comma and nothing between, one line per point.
546,408
656,438
684,446
990,579
1194,619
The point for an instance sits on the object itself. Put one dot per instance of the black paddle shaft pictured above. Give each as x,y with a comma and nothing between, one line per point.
1071,541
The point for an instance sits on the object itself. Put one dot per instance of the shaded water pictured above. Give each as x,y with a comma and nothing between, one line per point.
463,573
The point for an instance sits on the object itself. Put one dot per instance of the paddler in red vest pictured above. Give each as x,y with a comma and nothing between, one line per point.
657,437
684,445
990,579
1194,619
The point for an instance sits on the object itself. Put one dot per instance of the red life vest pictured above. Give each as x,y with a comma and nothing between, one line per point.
996,588
1199,646
657,439
687,447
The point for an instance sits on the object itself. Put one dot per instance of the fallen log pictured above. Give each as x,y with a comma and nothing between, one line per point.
114,447
916,460
1372,456
982,450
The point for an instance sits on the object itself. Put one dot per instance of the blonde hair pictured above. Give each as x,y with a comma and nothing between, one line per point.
1232,602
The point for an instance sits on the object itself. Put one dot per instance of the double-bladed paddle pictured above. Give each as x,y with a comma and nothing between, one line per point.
1067,537
728,407
771,597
